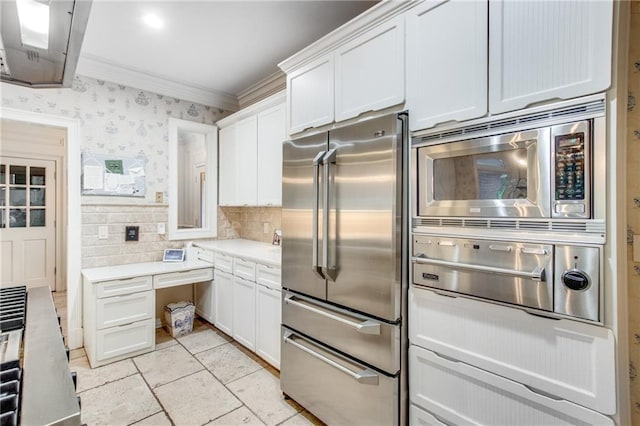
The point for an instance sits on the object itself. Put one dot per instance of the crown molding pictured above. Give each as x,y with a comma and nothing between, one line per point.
100,69
278,98
264,88
382,12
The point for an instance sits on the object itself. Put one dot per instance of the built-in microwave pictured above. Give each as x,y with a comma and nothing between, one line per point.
541,172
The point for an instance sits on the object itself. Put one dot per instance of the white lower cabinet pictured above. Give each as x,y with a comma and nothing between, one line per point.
205,298
268,320
420,417
223,301
125,339
568,359
458,393
244,312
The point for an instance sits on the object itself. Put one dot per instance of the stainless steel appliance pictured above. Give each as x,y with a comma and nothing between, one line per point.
540,165
559,279
344,272
36,386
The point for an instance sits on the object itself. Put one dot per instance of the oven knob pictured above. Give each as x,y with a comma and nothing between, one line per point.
575,280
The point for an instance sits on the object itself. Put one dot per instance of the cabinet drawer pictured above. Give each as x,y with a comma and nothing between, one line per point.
458,393
224,262
180,278
269,276
125,286
119,310
569,359
419,417
116,341
244,269
206,255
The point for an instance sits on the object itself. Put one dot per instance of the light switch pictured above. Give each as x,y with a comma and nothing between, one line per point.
636,248
103,232
161,228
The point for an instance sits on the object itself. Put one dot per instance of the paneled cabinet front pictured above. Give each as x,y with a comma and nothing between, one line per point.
244,312
118,319
223,301
250,158
310,95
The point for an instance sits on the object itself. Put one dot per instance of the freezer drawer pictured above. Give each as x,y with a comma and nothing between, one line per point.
364,338
336,390
458,393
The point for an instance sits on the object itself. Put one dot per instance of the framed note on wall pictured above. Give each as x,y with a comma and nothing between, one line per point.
104,174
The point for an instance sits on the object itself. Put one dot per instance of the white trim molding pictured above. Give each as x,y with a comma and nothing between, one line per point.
92,66
266,87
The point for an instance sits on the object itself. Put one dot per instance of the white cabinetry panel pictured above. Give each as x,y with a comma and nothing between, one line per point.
310,95
271,134
246,161
205,300
125,339
446,81
173,279
269,276
224,301
124,286
244,269
546,50
420,417
119,310
227,191
244,312
369,71
565,358
462,394
268,320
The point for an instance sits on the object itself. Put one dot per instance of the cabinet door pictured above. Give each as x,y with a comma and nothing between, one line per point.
446,81
310,95
226,167
244,312
269,317
205,300
369,71
246,161
271,134
545,50
223,301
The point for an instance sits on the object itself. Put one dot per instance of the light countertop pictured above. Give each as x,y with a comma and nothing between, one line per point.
118,272
264,253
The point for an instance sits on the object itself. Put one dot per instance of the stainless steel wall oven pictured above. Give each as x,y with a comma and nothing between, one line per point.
511,209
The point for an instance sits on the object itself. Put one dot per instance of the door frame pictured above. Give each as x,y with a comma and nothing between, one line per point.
73,215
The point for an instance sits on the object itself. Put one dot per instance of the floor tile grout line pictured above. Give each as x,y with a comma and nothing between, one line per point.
166,413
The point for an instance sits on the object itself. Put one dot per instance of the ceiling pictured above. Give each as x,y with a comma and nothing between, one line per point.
209,52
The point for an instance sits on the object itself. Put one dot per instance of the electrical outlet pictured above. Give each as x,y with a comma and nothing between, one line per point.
161,229
265,226
159,197
103,232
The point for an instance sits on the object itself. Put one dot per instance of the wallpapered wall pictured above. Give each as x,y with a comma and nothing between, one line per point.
127,122
633,206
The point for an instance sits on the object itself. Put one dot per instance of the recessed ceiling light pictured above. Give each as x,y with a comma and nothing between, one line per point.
153,20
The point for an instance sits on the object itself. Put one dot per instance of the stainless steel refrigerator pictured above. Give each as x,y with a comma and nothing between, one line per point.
344,272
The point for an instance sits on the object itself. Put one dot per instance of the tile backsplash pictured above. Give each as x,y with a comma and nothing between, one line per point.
249,222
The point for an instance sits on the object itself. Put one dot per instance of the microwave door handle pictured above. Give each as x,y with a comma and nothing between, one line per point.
538,274
316,171
328,271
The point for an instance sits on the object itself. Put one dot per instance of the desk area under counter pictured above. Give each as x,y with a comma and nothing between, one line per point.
120,311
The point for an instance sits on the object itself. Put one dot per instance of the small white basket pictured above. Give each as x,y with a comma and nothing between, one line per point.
179,318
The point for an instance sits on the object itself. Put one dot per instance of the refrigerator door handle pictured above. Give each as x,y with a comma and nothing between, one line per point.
366,376
317,161
364,327
328,271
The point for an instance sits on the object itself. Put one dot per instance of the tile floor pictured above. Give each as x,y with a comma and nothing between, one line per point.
201,378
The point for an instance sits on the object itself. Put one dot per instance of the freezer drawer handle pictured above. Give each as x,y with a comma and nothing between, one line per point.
537,274
316,170
365,327
366,376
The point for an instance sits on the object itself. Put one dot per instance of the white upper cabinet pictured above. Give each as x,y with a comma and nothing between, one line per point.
246,173
547,50
310,95
369,71
271,134
226,169
446,62
251,154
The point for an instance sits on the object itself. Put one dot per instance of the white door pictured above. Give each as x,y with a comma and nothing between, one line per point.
269,317
244,312
27,222
223,299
